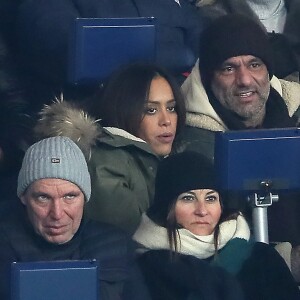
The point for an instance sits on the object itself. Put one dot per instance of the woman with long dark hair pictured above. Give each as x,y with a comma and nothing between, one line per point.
141,110
190,224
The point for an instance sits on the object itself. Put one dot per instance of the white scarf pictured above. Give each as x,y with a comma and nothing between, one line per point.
155,237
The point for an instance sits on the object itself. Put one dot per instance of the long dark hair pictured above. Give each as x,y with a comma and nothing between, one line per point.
122,100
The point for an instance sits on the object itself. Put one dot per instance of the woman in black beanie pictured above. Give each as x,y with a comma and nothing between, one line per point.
189,240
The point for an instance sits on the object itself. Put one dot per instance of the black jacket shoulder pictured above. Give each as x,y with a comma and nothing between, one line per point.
186,276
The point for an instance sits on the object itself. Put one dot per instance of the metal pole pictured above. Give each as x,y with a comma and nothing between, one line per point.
260,204
260,222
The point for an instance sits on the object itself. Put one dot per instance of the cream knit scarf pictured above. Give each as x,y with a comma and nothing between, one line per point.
154,237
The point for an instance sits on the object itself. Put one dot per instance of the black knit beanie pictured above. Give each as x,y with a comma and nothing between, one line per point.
177,174
229,36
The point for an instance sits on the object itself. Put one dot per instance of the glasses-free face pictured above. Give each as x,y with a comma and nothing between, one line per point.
54,208
242,85
158,126
198,211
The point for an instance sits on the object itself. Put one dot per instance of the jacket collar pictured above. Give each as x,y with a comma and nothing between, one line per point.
200,112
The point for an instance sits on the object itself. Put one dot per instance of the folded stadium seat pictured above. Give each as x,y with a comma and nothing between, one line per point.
43,29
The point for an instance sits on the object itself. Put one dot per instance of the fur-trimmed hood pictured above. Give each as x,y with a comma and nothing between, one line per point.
67,119
201,114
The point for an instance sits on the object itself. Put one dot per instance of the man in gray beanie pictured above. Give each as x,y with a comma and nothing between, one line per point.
53,186
232,87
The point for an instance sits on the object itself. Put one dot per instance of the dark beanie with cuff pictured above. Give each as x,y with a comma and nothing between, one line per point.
229,36
177,174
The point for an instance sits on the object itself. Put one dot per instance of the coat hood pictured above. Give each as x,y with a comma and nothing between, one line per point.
198,107
200,112
66,119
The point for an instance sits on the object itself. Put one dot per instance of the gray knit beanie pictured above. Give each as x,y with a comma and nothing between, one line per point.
55,157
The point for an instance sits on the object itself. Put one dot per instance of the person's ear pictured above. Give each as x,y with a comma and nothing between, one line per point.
23,199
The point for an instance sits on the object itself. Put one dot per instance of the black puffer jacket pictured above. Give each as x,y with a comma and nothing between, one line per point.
15,121
186,278
119,277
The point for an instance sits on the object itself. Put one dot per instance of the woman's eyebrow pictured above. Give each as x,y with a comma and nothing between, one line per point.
158,102
212,192
189,193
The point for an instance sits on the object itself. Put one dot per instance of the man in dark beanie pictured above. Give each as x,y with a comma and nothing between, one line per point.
232,87
280,18
236,68
230,37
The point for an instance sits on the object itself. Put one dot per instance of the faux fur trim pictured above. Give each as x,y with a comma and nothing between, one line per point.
196,98
204,121
290,93
123,133
63,118
201,114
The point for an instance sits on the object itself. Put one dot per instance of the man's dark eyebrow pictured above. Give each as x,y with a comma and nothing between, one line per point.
256,59
72,193
227,64
39,193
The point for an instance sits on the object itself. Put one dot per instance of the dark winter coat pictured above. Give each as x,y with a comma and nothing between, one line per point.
119,278
186,278
123,173
261,272
15,121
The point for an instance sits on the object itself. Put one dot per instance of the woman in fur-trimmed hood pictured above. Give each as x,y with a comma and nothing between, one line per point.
141,109
122,167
